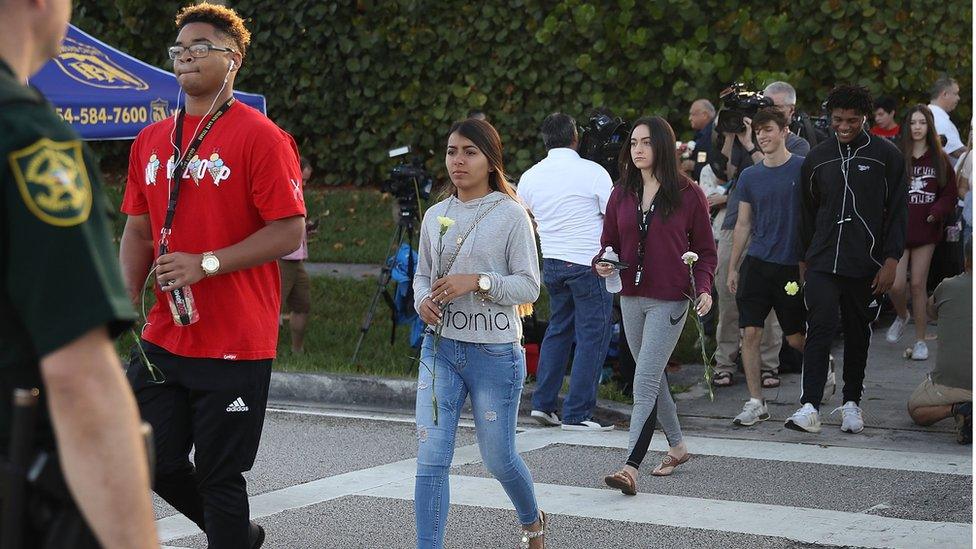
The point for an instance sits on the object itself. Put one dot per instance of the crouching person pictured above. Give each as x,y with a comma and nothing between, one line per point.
948,390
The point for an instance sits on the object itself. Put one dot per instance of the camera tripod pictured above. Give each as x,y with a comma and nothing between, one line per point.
404,231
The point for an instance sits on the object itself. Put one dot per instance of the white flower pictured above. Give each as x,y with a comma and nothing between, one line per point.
690,145
445,224
689,258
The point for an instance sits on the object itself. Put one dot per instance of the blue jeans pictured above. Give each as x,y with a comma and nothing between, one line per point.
580,307
493,375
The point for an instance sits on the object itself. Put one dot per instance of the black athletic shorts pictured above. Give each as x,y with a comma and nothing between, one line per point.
763,287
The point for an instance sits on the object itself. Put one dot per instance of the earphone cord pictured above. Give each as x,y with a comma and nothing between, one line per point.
172,133
157,375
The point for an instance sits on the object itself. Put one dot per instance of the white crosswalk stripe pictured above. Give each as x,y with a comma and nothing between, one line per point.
796,523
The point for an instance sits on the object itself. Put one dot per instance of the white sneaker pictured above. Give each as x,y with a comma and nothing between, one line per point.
830,386
588,425
805,419
753,412
920,351
852,421
547,419
896,330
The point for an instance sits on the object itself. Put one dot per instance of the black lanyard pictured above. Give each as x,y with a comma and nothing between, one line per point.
179,295
180,167
643,225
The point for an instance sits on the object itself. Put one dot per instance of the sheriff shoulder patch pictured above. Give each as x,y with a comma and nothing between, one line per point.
53,181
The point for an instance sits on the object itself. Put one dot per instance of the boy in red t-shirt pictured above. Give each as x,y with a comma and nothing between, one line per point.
884,119
239,208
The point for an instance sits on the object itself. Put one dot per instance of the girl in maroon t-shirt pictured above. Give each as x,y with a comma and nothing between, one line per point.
931,197
654,216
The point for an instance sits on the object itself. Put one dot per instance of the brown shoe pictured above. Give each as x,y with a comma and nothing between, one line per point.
621,480
668,465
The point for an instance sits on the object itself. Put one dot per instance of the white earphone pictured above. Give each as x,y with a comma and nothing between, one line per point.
229,69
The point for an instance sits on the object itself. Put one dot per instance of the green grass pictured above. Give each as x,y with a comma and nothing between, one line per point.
338,308
355,226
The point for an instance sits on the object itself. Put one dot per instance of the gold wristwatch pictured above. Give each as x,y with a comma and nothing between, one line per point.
210,264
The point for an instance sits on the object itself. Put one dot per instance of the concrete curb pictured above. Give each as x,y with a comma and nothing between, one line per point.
390,394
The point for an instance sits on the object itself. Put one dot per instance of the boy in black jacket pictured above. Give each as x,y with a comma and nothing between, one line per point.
853,219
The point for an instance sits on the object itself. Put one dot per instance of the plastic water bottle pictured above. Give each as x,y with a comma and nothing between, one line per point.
182,306
614,285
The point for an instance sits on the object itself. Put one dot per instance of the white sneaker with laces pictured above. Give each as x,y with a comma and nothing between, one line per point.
896,330
920,351
805,419
753,412
852,422
547,419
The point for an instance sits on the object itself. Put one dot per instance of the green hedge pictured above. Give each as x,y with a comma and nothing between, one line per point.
353,79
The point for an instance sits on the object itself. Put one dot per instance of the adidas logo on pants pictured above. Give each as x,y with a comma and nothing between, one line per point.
237,406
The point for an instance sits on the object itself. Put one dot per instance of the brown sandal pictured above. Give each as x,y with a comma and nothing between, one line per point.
621,480
770,380
669,463
723,379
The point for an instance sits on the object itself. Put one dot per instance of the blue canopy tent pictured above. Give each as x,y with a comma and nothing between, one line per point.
107,94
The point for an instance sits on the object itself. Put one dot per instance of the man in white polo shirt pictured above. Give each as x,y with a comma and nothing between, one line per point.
567,196
943,97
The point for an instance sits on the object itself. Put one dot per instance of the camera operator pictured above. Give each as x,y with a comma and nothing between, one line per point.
62,300
602,138
801,125
738,151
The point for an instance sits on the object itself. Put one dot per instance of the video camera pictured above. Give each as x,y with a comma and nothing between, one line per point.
409,181
601,140
737,103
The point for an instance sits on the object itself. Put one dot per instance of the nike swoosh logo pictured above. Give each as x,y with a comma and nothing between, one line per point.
675,321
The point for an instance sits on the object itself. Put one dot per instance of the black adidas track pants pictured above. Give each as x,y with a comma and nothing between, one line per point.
216,407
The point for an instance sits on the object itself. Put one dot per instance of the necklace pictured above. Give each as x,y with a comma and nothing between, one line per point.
463,236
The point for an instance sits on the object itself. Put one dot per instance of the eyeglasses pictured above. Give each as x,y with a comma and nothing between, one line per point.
196,50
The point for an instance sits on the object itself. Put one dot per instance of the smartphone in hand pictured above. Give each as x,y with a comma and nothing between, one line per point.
619,265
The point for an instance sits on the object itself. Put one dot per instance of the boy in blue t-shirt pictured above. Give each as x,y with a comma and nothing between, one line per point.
769,278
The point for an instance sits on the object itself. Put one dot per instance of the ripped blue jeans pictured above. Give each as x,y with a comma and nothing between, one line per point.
493,375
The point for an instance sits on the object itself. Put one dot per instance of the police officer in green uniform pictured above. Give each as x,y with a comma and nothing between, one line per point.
61,300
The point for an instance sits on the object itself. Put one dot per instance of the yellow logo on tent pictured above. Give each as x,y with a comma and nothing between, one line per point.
89,65
53,181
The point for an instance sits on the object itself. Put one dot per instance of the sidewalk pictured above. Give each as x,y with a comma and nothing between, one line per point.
889,381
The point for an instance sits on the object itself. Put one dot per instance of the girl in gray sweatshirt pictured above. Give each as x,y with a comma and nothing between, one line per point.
478,274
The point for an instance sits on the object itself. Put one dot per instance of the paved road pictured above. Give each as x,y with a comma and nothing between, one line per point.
344,479
327,479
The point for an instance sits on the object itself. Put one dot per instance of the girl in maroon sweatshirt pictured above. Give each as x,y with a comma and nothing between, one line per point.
931,197
654,216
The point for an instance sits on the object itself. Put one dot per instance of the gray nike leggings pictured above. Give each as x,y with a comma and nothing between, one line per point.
653,327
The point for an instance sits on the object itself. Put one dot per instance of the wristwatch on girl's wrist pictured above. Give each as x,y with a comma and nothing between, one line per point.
484,283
